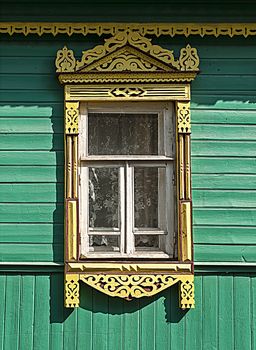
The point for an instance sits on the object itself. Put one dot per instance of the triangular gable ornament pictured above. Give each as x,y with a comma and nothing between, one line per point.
127,52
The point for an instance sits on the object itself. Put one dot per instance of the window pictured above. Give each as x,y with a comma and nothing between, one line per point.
127,180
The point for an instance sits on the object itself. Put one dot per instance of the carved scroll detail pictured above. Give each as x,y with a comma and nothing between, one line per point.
187,292
130,286
189,60
72,290
71,117
127,92
183,117
65,60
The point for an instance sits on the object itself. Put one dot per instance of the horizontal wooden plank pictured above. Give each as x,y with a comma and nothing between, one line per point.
31,252
31,174
223,181
32,233
224,234
223,148
31,158
224,132
30,96
25,111
26,213
225,252
224,198
32,142
31,193
31,125
203,165
211,116
224,216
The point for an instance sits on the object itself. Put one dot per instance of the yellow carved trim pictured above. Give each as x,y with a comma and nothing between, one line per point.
71,290
186,235
127,51
126,78
138,286
71,117
126,267
75,160
119,92
69,163
181,165
72,229
187,292
187,168
183,117
169,29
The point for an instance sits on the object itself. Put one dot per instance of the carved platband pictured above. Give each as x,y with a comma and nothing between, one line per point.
130,286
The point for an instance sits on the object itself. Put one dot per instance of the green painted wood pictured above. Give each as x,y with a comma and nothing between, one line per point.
11,327
2,310
35,252
253,308
224,181
31,193
223,116
224,165
27,233
242,308
225,313
34,213
31,125
224,216
210,318
224,198
223,318
26,142
221,252
224,148
42,316
224,132
32,158
35,174
26,319
224,234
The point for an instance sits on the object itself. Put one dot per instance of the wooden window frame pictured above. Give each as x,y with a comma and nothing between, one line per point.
128,68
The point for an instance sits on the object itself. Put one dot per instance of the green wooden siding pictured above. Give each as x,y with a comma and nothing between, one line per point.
224,317
223,147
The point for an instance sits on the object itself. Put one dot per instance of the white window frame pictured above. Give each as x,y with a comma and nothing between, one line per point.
126,163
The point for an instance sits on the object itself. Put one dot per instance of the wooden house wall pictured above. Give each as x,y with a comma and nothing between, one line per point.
31,190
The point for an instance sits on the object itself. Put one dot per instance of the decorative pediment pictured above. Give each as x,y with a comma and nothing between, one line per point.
127,52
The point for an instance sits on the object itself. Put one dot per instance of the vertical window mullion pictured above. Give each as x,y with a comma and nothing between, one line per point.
122,209
129,172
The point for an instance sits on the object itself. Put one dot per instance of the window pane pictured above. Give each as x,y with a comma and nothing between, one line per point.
146,241
104,243
148,184
104,197
122,133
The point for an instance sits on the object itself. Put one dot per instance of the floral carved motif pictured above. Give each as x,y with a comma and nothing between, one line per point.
65,60
187,292
72,290
189,60
183,117
130,286
71,114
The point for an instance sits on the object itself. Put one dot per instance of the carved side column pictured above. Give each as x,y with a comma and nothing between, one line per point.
71,179
185,251
71,290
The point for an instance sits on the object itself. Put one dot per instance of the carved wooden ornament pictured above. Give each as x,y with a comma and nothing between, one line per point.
128,67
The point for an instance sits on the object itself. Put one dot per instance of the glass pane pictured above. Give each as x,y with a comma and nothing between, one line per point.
104,243
104,197
146,241
122,133
146,193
